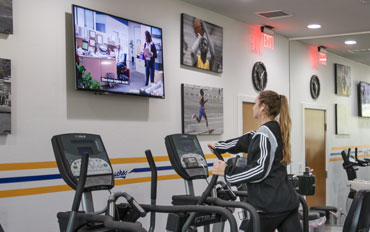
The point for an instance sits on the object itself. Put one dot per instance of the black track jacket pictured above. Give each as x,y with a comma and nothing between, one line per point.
266,178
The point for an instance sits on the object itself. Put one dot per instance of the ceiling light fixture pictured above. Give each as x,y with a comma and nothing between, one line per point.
350,42
314,26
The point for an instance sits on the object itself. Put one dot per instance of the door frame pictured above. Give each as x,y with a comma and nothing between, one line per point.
241,100
325,109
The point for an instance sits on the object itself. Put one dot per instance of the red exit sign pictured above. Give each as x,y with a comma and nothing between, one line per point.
322,58
268,41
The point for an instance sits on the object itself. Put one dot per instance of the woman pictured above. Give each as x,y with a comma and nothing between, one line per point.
264,170
150,53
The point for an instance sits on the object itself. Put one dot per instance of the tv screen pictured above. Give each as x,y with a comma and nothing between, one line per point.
364,99
117,55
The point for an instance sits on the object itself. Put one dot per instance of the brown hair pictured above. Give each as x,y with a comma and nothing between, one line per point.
278,104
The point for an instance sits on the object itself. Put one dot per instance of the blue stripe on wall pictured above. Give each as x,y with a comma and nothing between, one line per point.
28,178
8,180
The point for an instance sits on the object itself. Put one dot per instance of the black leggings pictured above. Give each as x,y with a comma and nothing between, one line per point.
283,222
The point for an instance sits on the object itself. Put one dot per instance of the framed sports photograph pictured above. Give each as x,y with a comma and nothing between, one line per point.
202,110
6,16
342,80
5,96
201,44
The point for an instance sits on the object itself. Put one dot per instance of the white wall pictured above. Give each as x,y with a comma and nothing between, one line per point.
301,70
45,102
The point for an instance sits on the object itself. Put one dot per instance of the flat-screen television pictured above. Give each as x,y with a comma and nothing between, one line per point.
117,55
364,99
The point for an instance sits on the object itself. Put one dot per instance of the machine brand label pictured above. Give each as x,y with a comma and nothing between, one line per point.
205,218
121,174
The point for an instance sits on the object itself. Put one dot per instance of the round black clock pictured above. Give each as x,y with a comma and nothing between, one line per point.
315,87
259,76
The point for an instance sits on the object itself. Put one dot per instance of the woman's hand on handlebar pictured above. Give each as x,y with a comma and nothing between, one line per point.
219,168
211,147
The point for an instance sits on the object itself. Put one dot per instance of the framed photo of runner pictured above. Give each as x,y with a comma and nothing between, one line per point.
201,44
202,110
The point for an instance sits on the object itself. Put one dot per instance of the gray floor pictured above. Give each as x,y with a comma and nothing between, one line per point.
333,228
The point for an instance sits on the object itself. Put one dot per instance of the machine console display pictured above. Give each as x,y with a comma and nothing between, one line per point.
68,149
186,156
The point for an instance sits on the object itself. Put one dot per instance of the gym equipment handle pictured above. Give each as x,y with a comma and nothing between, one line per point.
153,190
153,170
79,191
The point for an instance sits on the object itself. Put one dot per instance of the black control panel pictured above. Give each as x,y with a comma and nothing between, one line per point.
68,149
186,156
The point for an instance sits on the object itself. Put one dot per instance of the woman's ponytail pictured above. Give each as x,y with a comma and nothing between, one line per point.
285,126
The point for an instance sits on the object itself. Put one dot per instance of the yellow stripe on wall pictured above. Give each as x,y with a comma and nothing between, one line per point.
53,164
213,156
24,166
340,158
34,191
347,147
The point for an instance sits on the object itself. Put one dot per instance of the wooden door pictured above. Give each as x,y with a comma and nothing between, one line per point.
249,123
315,153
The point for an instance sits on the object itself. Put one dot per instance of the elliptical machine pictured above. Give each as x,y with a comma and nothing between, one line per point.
84,165
351,169
189,162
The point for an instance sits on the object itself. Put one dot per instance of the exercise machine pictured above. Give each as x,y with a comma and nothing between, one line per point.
351,168
84,165
189,162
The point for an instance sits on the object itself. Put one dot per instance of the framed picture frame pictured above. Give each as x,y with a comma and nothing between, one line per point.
201,44
92,42
342,119
92,34
5,96
6,17
202,110
342,80
100,39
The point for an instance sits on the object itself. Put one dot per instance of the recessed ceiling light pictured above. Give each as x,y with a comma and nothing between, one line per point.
314,26
350,42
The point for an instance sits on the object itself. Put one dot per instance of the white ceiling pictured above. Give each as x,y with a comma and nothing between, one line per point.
340,19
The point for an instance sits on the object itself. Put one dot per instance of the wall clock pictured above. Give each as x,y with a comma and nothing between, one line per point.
315,87
259,76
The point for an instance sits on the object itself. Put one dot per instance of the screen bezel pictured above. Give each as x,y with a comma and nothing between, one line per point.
360,103
105,92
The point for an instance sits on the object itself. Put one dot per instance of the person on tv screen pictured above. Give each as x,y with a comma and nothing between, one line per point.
203,44
120,61
150,53
265,169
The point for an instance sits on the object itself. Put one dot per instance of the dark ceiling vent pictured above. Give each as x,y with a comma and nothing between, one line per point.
273,14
